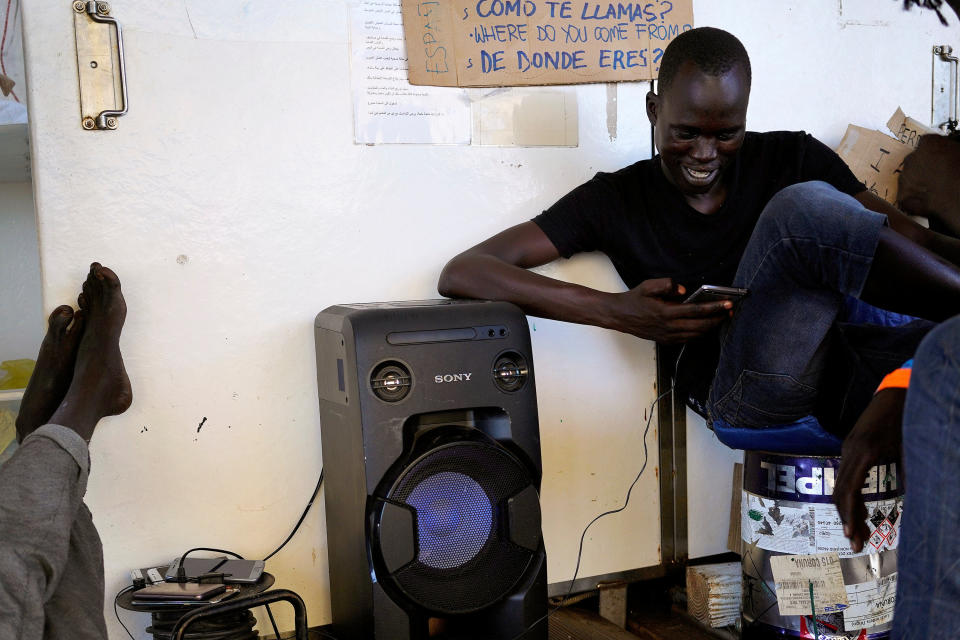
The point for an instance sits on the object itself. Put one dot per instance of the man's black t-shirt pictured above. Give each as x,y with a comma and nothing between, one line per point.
647,229
644,224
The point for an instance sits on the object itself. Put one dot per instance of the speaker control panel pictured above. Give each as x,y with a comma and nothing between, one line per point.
461,334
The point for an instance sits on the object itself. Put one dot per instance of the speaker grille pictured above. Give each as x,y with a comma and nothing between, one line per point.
465,559
390,381
454,519
510,371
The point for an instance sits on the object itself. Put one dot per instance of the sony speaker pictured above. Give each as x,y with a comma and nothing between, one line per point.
431,454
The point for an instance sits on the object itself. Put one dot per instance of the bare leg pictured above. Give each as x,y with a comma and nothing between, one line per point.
906,278
53,372
100,386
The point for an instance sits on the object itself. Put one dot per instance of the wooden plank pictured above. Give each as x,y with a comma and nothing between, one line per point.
713,593
613,604
733,535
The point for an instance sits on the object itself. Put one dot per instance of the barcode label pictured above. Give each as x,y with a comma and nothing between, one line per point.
807,583
801,584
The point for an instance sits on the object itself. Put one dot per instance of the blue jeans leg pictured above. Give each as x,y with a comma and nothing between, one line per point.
928,585
811,247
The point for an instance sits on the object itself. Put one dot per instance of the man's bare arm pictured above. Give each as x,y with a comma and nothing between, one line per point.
497,269
944,246
929,184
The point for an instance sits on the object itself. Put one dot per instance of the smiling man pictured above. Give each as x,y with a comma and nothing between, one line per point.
778,213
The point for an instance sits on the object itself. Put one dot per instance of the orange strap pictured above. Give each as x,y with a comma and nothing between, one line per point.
898,379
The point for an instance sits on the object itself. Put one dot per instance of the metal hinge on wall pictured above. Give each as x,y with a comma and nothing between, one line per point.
102,76
943,113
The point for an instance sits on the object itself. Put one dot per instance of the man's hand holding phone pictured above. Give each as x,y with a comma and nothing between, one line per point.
713,293
655,310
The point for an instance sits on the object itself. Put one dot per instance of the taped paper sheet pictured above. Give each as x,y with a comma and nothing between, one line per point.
808,583
387,108
871,603
522,117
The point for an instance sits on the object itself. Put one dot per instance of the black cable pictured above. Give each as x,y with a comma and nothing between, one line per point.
296,527
602,515
273,622
182,574
302,516
756,620
673,384
760,576
116,611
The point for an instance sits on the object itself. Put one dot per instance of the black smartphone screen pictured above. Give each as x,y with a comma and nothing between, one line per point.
193,566
243,571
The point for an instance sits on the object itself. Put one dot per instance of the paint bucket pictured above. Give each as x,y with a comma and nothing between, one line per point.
787,510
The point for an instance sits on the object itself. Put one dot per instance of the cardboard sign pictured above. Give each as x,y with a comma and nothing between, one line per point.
494,43
907,130
875,159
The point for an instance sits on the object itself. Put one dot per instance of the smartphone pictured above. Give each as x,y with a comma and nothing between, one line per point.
179,591
229,592
241,571
715,293
193,566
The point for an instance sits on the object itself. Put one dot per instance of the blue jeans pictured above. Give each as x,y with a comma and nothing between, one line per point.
928,587
788,353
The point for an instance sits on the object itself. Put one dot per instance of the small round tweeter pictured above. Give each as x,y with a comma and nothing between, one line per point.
391,381
510,371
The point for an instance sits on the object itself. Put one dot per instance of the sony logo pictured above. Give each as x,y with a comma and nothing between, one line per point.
453,377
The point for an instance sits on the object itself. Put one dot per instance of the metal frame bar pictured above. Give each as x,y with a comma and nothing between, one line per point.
240,604
590,583
672,432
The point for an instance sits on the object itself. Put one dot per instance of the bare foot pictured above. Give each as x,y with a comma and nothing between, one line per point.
100,386
53,372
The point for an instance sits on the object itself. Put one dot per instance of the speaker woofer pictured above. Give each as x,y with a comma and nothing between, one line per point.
391,381
465,557
510,371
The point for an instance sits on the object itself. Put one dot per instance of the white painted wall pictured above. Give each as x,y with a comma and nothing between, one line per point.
234,206
21,322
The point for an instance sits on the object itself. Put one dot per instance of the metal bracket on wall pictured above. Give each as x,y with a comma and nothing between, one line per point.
944,104
102,76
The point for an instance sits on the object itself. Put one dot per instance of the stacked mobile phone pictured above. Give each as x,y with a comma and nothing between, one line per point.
234,572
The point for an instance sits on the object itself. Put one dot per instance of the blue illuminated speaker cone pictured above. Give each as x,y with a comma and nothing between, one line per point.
454,519
465,559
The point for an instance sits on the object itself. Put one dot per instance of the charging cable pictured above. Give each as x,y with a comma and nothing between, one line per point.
182,575
583,535
646,430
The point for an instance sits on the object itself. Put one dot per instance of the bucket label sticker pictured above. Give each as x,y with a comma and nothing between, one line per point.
812,479
871,603
776,525
808,584
786,526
